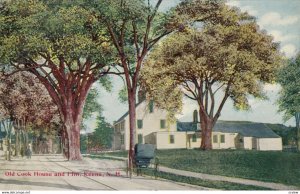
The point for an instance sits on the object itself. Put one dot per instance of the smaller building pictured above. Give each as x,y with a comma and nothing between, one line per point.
238,135
245,135
174,139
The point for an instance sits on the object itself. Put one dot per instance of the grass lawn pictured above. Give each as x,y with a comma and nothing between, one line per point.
204,183
279,167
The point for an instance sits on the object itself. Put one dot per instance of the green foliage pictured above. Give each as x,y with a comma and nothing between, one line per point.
31,28
128,20
288,134
63,45
123,95
104,157
103,134
2,133
228,53
289,78
106,83
289,101
118,154
92,105
278,167
83,143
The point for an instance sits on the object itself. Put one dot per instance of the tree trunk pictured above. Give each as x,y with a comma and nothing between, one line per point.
74,145
9,148
297,117
298,139
206,131
73,134
17,143
71,113
132,127
63,143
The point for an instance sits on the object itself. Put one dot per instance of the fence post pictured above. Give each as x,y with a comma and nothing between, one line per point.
156,167
127,168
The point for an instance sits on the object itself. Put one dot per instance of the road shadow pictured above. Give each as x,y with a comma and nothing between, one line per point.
21,160
53,160
43,184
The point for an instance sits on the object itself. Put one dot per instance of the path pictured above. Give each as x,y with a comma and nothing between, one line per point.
27,174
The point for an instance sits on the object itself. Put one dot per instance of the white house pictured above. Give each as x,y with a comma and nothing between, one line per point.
152,127
149,119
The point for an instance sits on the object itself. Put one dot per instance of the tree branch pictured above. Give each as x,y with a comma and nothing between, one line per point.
212,106
136,40
226,95
189,96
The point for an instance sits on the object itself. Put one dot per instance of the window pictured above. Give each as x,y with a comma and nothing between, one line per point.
122,125
172,140
215,138
194,138
140,124
151,106
162,124
122,139
222,138
140,138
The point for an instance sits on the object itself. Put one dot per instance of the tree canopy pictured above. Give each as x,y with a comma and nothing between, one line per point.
22,98
64,46
289,101
134,27
224,56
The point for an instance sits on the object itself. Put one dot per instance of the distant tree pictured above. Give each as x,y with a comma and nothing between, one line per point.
7,127
289,101
26,104
102,136
83,143
224,56
92,106
64,46
2,133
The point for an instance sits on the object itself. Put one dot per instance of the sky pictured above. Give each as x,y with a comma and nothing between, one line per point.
280,18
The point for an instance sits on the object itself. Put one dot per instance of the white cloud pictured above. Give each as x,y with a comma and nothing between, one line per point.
247,8
254,103
289,50
233,3
272,87
251,10
279,37
275,19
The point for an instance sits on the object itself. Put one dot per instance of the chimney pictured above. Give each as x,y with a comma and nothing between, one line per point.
195,116
196,121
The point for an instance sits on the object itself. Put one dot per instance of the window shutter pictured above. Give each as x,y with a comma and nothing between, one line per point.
140,124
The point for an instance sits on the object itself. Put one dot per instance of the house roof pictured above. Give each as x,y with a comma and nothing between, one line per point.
127,113
186,126
247,129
